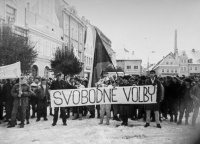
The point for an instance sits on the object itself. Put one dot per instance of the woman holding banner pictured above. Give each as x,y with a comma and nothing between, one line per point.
105,107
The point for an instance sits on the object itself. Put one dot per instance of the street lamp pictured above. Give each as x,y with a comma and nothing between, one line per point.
148,59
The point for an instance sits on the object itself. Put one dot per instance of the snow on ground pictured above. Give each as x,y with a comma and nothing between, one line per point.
88,131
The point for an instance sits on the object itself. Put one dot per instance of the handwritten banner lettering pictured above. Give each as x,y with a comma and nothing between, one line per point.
103,95
10,71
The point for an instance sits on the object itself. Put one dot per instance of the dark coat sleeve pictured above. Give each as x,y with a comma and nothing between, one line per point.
27,92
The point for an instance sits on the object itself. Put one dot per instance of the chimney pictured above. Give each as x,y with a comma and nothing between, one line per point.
193,50
83,18
132,52
175,43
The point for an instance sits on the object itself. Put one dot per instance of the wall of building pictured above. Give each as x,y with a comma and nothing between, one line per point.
132,67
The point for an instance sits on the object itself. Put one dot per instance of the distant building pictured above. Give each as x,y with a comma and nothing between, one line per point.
128,62
179,63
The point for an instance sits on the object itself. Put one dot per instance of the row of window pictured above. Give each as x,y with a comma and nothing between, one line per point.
88,60
169,70
183,68
169,63
44,46
74,33
135,67
183,60
195,68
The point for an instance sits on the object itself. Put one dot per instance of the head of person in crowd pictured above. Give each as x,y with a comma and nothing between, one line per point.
152,74
106,81
58,76
43,81
77,80
114,77
142,80
175,80
9,81
71,80
85,82
37,79
188,82
196,79
30,80
62,77
23,80
162,80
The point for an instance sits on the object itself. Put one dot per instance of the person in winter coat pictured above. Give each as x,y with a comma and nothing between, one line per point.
185,100
78,111
21,97
125,109
105,107
154,107
173,99
43,98
8,99
56,85
195,95
33,100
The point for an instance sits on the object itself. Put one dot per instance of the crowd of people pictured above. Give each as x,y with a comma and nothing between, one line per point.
176,97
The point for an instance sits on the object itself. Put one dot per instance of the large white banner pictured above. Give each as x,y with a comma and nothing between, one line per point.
10,71
104,95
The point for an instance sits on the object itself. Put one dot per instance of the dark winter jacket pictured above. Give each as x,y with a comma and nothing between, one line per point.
7,93
56,85
173,90
41,93
182,91
156,106
24,97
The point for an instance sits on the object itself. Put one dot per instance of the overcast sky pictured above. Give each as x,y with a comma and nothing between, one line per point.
145,25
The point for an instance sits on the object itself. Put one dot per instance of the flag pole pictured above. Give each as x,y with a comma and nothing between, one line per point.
20,89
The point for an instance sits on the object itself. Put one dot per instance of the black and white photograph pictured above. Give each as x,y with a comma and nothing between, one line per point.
99,71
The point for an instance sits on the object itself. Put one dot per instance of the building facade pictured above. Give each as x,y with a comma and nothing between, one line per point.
129,62
50,24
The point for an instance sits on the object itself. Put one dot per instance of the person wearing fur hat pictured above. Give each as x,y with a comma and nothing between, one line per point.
21,98
185,100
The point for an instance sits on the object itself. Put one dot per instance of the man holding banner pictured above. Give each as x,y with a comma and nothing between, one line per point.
154,107
21,96
57,85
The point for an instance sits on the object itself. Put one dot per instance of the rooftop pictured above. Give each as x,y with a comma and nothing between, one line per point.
123,54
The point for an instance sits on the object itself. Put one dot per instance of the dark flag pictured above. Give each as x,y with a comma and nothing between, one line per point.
101,60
